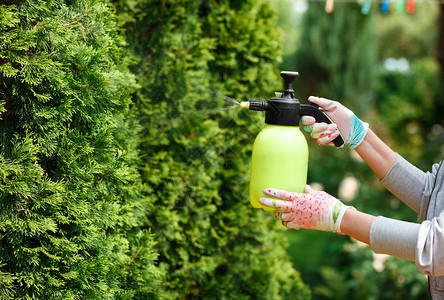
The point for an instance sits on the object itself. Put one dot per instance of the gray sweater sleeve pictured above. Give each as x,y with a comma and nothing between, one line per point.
409,184
429,248
411,241
394,237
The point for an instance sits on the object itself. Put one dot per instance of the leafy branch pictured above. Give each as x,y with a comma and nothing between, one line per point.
85,14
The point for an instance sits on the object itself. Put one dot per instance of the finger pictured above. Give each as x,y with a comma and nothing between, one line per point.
278,214
326,137
324,134
308,128
284,216
321,127
274,203
290,225
308,120
310,190
281,194
329,129
307,123
324,140
322,102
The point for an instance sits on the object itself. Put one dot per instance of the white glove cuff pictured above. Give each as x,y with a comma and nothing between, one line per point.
358,131
337,214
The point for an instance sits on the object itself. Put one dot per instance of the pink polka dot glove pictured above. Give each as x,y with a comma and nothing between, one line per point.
352,129
312,210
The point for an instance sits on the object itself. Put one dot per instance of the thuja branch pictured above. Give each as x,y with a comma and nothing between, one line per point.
135,256
85,14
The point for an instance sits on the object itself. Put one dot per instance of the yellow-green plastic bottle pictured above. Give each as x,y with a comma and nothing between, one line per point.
279,160
280,151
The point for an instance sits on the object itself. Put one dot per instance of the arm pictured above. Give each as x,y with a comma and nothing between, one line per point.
384,235
378,156
410,241
404,180
357,134
422,243
321,211
357,225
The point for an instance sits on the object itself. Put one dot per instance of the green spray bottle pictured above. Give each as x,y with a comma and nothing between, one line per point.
280,151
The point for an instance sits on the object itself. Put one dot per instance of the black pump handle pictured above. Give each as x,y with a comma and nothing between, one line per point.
289,78
313,110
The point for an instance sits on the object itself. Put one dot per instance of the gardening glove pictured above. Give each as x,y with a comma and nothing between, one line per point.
312,210
352,129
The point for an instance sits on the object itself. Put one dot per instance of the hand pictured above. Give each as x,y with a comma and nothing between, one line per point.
352,129
312,210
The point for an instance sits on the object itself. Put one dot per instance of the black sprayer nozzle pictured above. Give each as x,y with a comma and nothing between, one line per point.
286,110
258,105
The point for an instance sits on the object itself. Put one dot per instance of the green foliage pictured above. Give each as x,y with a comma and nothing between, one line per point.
72,208
396,279
337,57
410,106
196,155
346,270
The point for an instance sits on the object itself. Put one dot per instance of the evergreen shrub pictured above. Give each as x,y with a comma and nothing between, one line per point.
196,155
72,208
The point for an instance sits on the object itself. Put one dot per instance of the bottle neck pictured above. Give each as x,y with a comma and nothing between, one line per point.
288,127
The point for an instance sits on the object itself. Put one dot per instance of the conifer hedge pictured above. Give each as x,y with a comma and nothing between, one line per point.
196,155
72,208
121,175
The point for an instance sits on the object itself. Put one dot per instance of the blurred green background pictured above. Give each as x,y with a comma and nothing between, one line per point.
384,67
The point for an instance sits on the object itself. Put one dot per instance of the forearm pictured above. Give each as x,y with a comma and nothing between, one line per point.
388,236
357,225
378,156
401,178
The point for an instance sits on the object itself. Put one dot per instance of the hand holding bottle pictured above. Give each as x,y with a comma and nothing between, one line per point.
309,210
352,129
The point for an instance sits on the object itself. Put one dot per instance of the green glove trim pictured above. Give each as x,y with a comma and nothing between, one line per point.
336,212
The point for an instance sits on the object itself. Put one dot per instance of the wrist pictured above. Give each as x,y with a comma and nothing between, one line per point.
358,132
378,156
338,215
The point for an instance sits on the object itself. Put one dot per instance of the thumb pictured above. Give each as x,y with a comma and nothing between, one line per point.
308,189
